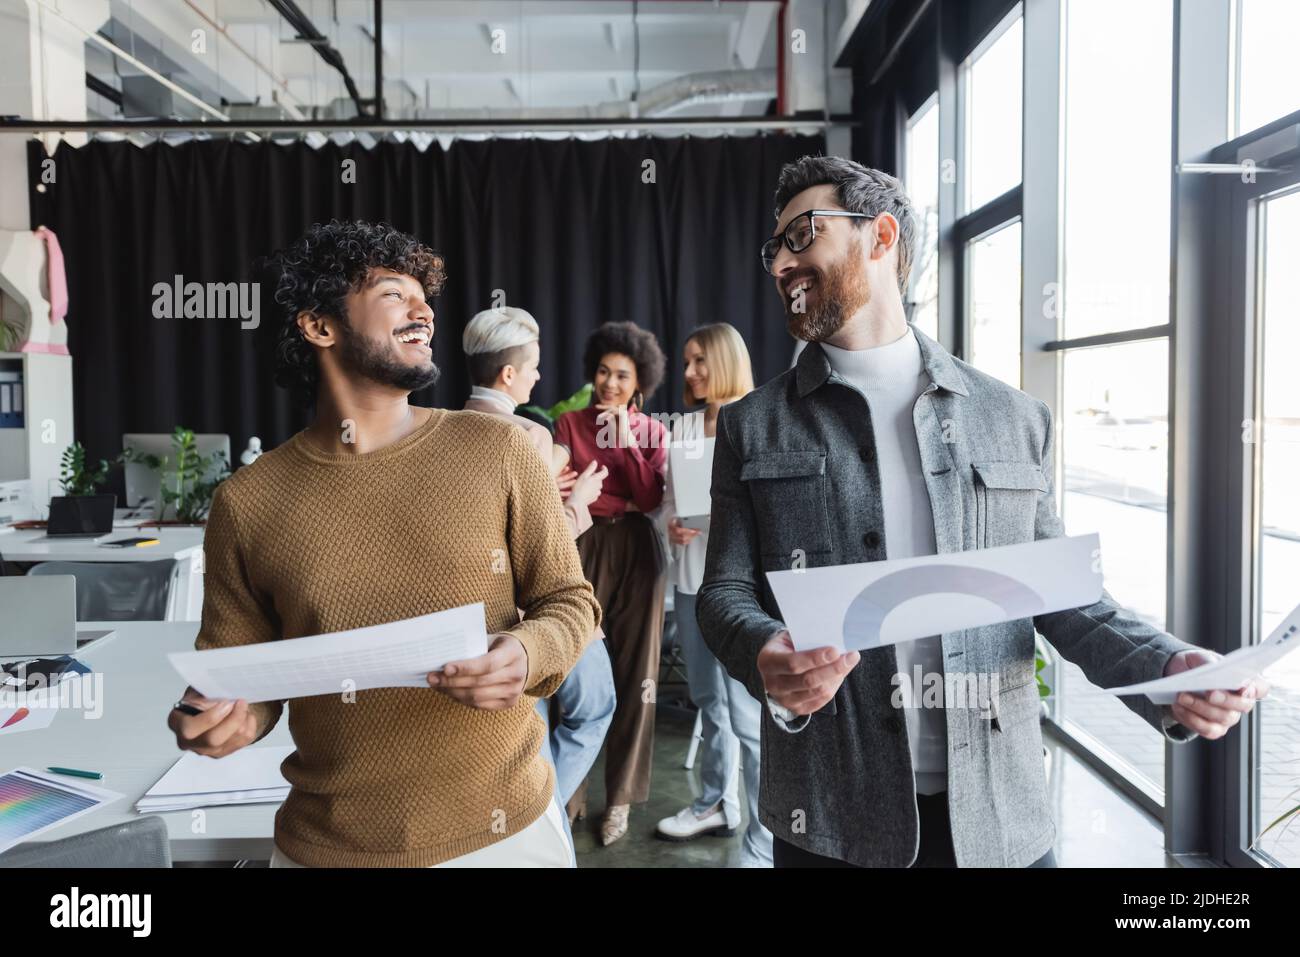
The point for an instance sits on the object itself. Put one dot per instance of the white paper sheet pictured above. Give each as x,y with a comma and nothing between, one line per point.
247,769
856,607
398,654
249,776
690,469
1230,672
27,717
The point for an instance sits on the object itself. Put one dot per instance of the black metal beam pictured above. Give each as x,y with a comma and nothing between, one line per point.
306,30
896,47
1109,338
379,59
12,124
96,85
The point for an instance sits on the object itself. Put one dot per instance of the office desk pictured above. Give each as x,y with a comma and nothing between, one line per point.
185,544
133,747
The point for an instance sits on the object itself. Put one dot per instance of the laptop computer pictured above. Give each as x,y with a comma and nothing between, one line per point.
40,618
80,516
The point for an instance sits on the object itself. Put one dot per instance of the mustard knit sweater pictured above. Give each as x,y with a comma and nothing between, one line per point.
304,542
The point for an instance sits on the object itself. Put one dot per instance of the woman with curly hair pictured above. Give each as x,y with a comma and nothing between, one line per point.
620,553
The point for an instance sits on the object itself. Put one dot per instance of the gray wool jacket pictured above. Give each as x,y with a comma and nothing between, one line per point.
794,476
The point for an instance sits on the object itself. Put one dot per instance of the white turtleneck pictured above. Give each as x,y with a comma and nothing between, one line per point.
495,396
891,377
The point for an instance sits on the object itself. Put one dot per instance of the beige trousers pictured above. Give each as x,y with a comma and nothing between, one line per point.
544,843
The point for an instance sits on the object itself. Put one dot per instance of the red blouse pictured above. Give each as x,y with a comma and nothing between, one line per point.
636,473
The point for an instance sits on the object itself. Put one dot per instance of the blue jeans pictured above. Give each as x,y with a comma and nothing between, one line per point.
730,717
586,700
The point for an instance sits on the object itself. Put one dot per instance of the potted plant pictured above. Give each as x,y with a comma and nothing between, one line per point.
579,400
1285,819
75,476
1042,658
187,480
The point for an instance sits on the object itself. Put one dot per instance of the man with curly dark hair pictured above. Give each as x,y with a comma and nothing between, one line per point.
380,511
319,338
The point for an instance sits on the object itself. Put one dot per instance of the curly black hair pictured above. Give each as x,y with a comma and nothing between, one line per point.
629,339
318,270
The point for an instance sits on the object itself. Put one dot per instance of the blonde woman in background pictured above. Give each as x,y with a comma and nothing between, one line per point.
717,372
501,347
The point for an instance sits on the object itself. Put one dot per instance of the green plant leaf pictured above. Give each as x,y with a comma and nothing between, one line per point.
1293,812
579,400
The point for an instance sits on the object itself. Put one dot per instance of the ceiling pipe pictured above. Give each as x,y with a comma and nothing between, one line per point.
293,109
147,70
306,30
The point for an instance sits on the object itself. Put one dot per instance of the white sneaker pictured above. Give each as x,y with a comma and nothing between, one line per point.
685,826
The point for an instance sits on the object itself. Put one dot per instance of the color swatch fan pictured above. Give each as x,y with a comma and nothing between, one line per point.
32,802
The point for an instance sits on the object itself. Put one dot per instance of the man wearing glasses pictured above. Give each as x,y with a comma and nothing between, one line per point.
879,444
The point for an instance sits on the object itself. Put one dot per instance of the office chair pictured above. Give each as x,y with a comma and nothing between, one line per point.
118,591
139,843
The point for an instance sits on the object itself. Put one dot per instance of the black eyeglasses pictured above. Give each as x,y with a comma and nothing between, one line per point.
800,232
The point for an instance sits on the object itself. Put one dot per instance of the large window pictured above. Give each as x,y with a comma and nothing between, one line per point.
1276,756
921,150
1114,412
993,89
987,236
1114,444
1267,86
993,277
1118,92
1141,201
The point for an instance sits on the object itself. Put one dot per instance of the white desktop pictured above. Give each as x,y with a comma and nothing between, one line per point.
143,484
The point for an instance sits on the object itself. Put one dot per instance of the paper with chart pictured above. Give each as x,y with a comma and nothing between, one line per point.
872,604
32,802
398,654
1228,673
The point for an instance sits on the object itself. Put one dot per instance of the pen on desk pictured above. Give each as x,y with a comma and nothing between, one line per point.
93,775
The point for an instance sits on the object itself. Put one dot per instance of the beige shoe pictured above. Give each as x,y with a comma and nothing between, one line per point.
614,825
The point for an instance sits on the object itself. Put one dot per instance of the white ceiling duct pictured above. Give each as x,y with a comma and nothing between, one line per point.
720,86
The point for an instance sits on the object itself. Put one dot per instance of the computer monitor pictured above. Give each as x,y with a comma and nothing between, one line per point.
143,482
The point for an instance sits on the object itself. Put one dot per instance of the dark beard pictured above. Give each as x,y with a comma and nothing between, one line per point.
368,360
841,292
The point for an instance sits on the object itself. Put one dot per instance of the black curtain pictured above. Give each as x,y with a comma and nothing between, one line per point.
566,229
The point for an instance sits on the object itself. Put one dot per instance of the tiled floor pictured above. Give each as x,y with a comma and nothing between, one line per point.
1119,729
1096,827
